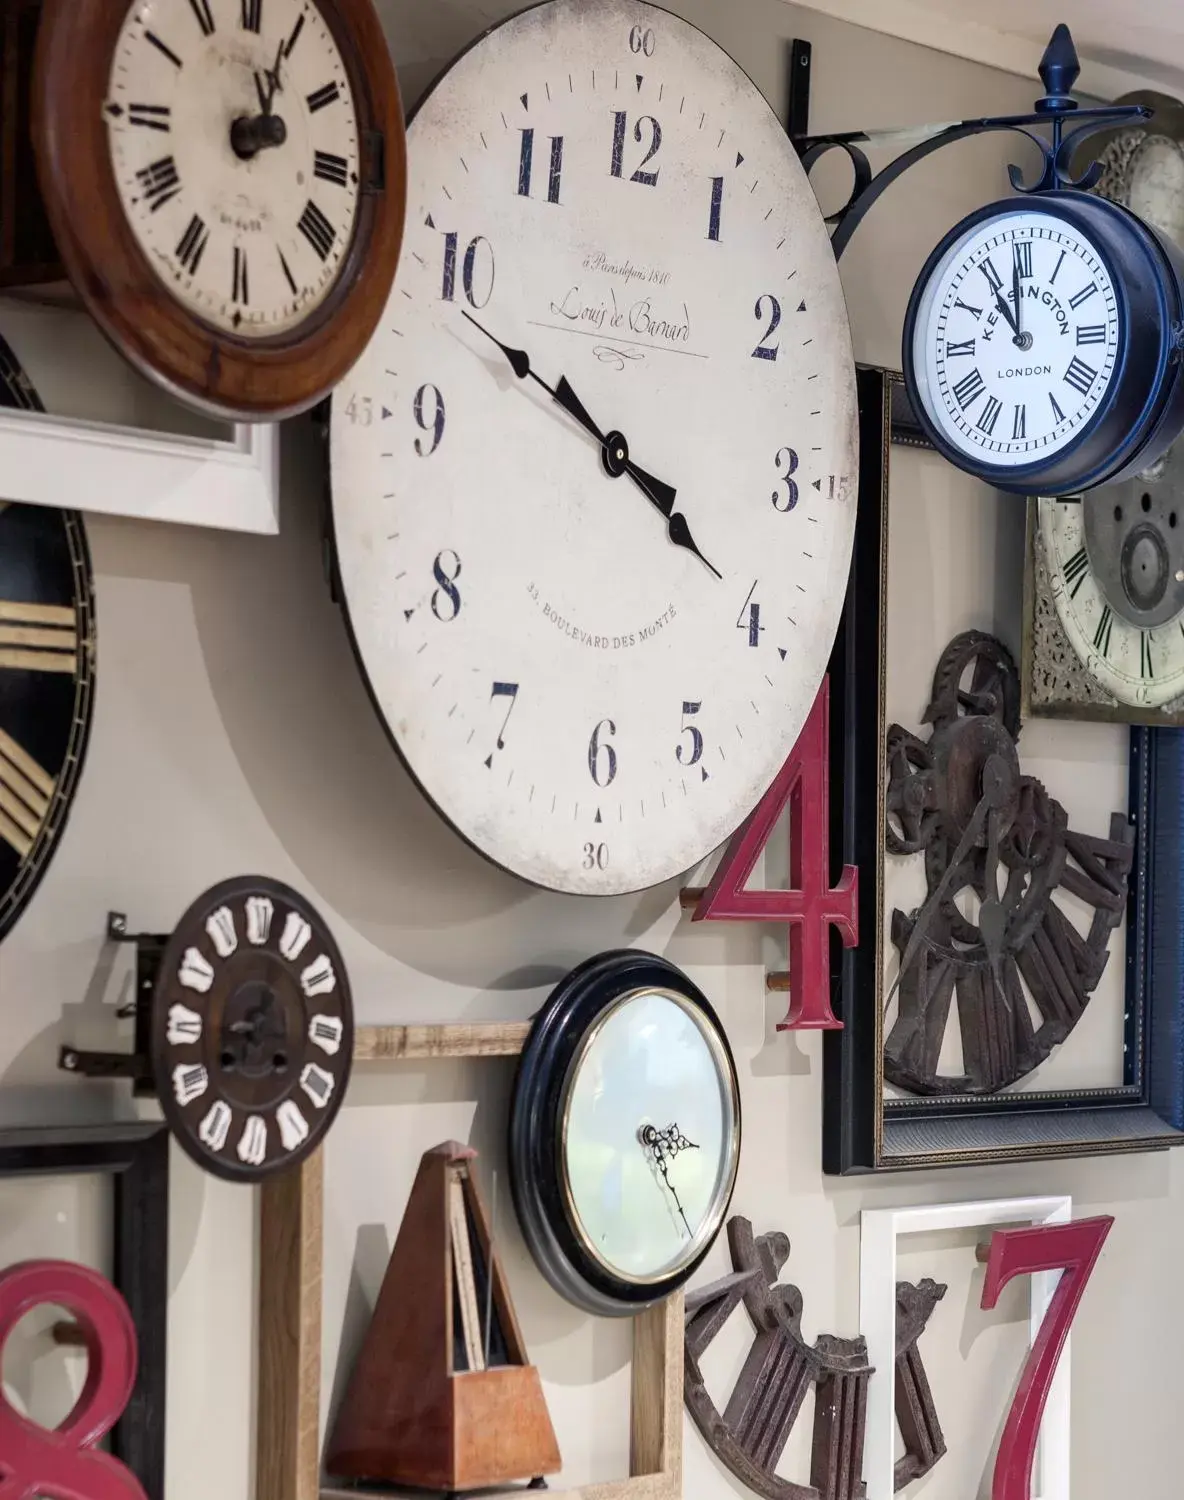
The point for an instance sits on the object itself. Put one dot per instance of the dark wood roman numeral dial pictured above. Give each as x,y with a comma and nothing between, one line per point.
990,937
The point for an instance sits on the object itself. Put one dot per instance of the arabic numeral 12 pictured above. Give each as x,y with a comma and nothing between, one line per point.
595,856
620,127
477,270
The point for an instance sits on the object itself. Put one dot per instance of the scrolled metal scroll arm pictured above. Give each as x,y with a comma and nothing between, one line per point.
1059,68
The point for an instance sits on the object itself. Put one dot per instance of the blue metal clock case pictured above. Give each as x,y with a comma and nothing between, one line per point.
1142,412
559,1028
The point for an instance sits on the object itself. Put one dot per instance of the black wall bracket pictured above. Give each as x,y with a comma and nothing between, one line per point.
135,1065
1059,68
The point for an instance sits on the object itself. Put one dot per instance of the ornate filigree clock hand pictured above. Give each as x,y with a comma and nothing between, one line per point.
614,448
249,136
664,1143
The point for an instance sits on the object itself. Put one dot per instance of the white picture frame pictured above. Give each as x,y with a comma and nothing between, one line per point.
880,1231
149,476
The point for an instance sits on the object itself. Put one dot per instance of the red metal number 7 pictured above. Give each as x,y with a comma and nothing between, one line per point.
1072,1249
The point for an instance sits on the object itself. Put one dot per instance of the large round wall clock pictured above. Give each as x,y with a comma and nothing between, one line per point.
225,180
624,1132
47,674
1040,344
594,479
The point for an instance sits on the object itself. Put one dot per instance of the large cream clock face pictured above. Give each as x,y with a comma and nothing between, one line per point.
247,223
594,481
1117,584
1017,337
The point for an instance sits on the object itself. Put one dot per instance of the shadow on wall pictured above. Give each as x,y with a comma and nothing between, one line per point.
310,745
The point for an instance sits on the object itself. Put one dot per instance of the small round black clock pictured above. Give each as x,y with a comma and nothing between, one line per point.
624,1133
1042,344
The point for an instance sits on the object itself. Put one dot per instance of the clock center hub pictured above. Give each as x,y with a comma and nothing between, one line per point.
1134,535
615,454
253,1042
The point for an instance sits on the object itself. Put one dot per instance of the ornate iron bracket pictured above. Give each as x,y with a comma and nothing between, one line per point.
1059,68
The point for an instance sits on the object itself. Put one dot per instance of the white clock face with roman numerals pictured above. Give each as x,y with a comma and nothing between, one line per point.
234,145
1016,338
595,599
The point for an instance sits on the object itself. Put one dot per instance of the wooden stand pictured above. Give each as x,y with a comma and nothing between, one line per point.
442,1396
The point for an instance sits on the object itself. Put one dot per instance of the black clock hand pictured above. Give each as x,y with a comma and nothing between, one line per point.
1018,303
614,449
1001,304
662,1142
251,134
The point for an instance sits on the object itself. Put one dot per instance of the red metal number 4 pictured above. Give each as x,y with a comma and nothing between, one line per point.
1073,1249
809,905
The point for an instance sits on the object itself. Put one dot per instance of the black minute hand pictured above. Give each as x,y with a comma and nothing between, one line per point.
614,449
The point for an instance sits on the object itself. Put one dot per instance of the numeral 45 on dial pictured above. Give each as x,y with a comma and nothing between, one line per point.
809,905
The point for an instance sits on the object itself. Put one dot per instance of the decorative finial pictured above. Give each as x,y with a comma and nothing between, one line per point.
1059,68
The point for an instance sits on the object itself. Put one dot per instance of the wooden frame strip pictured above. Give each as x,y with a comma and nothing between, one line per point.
291,1240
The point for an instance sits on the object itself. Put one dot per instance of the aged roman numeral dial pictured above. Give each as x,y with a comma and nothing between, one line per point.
594,480
242,100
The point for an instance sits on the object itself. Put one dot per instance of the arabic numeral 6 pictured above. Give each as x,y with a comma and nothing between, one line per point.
360,411
642,41
595,856
602,758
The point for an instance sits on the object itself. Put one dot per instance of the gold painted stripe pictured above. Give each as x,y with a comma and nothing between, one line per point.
25,815
38,661
39,614
11,834
30,635
24,763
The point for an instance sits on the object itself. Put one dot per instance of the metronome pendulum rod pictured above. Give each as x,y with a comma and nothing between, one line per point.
489,1266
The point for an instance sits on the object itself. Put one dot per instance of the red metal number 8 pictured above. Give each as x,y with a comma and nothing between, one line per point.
35,1463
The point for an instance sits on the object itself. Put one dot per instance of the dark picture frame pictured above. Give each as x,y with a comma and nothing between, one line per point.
863,1131
136,1156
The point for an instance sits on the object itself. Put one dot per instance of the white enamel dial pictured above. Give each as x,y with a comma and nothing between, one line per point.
1011,381
1140,666
249,238
592,704
650,1063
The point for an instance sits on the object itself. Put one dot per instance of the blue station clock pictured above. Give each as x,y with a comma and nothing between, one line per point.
1042,344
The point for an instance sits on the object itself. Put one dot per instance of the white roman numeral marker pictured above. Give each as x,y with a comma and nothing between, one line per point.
319,978
189,1083
259,914
326,1032
220,926
252,1148
25,791
317,1084
184,1025
293,1125
214,1129
295,937
196,972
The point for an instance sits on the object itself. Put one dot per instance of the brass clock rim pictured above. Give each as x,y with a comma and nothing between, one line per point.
226,377
726,1182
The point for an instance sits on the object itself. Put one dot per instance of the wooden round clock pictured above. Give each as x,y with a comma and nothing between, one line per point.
594,479
225,180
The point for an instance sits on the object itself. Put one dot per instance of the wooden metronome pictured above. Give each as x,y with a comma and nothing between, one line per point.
442,1396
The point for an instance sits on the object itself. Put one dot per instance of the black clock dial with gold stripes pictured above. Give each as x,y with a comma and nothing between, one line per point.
47,674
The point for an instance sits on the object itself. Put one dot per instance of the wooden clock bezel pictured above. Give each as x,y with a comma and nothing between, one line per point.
291,1236
217,373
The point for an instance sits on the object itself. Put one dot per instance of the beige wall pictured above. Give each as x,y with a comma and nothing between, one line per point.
233,734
